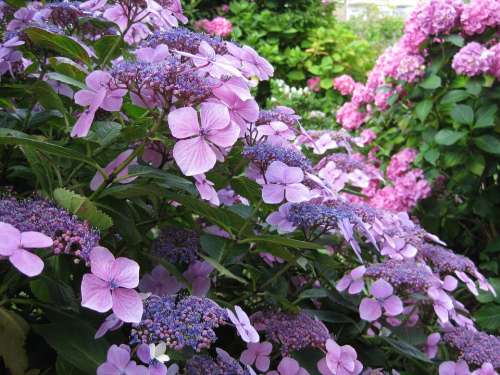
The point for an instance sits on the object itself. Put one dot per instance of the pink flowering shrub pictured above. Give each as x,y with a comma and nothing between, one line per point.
155,220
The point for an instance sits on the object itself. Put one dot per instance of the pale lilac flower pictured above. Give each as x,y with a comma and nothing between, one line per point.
14,245
279,219
335,177
61,88
353,280
196,153
119,363
110,286
432,344
277,132
121,177
486,369
398,249
206,189
152,55
469,283
98,94
339,360
159,282
154,356
284,182
242,323
452,368
441,302
251,63
198,275
111,323
257,353
93,5
289,366
216,65
370,309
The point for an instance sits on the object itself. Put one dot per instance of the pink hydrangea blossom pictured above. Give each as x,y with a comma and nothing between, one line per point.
289,366
15,245
110,286
370,309
339,360
344,84
121,177
478,15
197,151
284,182
118,363
159,282
313,84
257,353
100,93
242,323
353,281
198,275
219,26
495,63
473,59
350,116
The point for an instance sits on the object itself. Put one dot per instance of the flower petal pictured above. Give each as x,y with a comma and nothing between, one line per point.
127,305
370,310
35,240
262,363
276,172
248,357
288,366
96,294
393,306
10,239
118,356
225,137
381,289
194,156
28,263
183,122
101,261
273,193
296,193
125,273
214,116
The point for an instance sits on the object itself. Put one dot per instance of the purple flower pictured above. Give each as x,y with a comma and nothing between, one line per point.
339,360
119,363
121,177
251,63
370,309
159,282
279,219
441,302
353,280
111,323
154,356
206,189
452,368
289,366
472,60
398,248
13,245
486,369
284,182
197,275
242,323
432,344
110,285
257,353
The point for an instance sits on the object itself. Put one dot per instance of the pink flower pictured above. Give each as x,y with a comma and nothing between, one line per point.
219,26
344,84
279,219
289,366
258,354
197,275
119,363
242,323
486,369
152,55
339,360
14,245
452,368
313,84
350,117
370,309
277,132
99,94
121,177
159,282
206,189
366,137
110,286
196,152
93,5
353,280
284,182
431,345
251,63
216,65
111,323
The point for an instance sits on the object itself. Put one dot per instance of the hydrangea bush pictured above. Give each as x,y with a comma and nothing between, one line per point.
155,220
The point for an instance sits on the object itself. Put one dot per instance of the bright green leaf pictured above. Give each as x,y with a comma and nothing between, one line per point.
423,109
430,83
448,137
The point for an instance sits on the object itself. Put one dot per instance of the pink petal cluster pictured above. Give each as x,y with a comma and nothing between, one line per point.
313,84
344,84
258,353
472,60
478,15
118,363
353,281
350,116
339,360
219,26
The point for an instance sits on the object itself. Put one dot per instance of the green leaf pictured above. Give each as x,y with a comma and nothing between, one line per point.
488,316
53,291
488,143
430,83
246,188
47,97
61,44
104,132
105,44
65,79
16,3
473,87
329,316
455,39
423,109
223,270
432,155
312,293
485,116
213,245
82,207
476,164
73,340
13,330
296,75
463,114
448,137
406,349
164,179
454,96
281,240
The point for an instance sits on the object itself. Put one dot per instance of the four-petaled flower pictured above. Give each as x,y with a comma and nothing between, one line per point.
431,344
257,353
154,356
98,94
454,368
370,309
198,275
110,286
206,189
197,151
353,280
279,219
242,323
13,245
159,282
398,248
277,132
119,363
284,182
289,366
339,360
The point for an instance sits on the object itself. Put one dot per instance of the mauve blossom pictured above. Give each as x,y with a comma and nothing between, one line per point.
118,363
339,360
159,282
206,189
219,26
366,137
277,132
289,366
152,55
98,94
284,182
14,245
121,177
398,248
207,60
242,323
110,286
111,323
196,153
473,59
478,15
495,63
352,280
279,219
370,309
251,63
154,356
442,303
257,353
432,344
198,275
452,368
93,5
